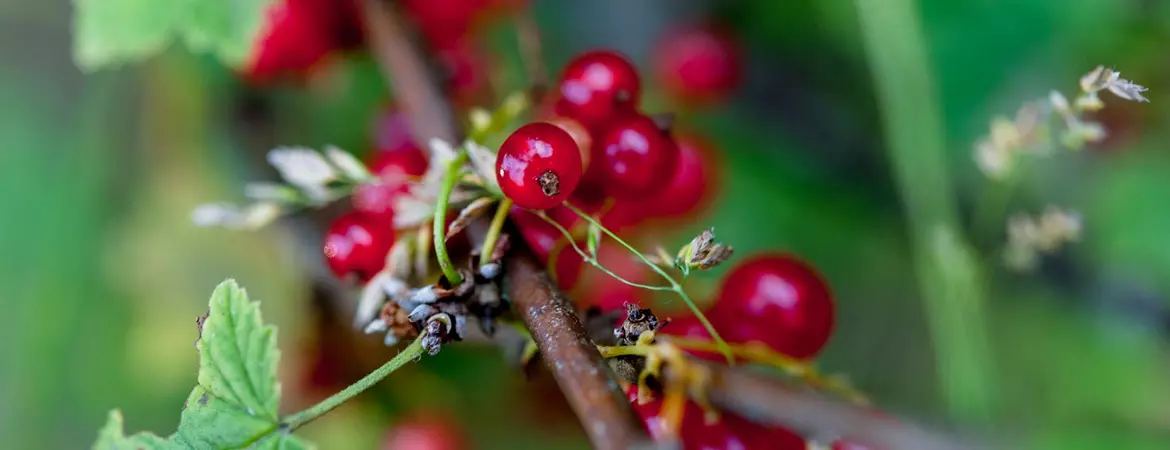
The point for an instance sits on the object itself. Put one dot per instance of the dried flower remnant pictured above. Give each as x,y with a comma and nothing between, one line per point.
702,253
1028,237
1101,78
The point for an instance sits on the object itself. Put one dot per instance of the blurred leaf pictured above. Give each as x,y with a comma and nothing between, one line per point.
110,32
235,403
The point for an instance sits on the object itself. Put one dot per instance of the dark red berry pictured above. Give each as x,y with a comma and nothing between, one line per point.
356,245
463,67
634,157
690,327
780,301
442,22
699,64
729,432
538,166
580,135
398,164
597,85
425,432
296,36
691,184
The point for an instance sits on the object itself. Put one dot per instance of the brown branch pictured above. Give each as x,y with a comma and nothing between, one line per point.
410,74
572,356
767,400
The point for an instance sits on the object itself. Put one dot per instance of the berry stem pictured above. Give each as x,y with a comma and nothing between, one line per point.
674,285
593,261
411,352
440,221
493,232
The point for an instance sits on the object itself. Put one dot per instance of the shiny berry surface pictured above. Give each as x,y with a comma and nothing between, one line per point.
699,64
780,301
425,433
634,158
596,85
357,246
538,166
690,186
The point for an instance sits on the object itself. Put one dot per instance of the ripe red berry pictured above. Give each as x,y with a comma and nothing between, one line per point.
442,22
463,67
295,37
730,432
538,166
425,433
699,64
780,301
580,135
691,183
634,157
596,85
356,245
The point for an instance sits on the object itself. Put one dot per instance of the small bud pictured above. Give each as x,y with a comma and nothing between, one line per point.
376,326
993,161
421,312
1098,79
424,295
1128,90
1090,102
490,271
703,252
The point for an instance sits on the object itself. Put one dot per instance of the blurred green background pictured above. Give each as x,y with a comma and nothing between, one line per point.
102,273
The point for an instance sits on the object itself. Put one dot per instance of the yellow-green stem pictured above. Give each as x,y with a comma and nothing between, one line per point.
674,285
411,352
493,232
440,221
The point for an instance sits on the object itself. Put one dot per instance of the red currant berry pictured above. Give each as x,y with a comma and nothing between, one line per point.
443,21
568,267
425,433
538,166
634,157
295,37
699,64
393,169
580,135
596,85
691,184
691,327
399,164
779,301
729,432
356,245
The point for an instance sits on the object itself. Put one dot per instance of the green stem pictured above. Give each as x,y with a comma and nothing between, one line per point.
411,352
947,273
493,232
674,285
593,261
440,221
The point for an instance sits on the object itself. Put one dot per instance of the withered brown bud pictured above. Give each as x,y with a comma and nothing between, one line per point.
397,321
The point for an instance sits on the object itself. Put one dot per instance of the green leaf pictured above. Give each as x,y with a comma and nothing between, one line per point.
109,32
235,403
111,437
224,27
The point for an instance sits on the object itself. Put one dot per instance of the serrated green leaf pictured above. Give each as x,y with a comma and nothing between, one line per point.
112,437
238,354
109,32
235,403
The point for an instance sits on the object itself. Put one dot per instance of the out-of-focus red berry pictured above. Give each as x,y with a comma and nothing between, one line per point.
431,432
634,157
296,36
730,432
780,301
355,245
691,185
699,64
